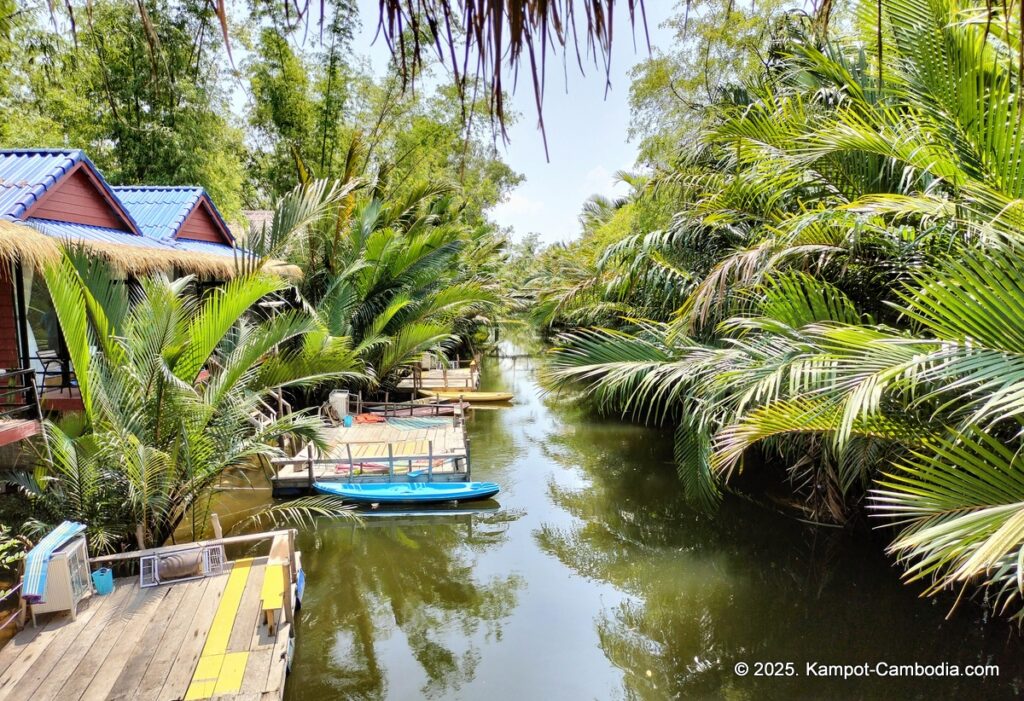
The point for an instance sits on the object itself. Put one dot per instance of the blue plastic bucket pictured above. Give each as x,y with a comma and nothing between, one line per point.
103,580
347,421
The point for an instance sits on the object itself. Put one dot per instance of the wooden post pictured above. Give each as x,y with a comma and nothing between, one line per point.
291,576
444,374
291,555
289,612
351,467
469,466
309,471
218,533
391,464
430,461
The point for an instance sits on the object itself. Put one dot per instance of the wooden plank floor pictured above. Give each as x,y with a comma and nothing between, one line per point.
192,640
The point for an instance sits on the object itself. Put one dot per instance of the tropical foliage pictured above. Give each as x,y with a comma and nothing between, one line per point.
398,275
842,271
172,386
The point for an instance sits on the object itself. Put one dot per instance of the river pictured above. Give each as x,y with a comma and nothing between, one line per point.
593,580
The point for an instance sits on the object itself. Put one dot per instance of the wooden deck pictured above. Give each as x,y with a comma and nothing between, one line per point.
450,378
14,430
205,638
381,452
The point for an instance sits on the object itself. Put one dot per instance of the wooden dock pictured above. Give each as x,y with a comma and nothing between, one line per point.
198,639
380,452
467,378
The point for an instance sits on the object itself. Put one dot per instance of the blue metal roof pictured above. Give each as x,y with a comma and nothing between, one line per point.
84,232
69,231
161,211
206,247
26,174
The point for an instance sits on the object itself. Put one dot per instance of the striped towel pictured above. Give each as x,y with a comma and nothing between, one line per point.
37,561
416,423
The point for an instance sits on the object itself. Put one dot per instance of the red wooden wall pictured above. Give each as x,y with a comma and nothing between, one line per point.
201,226
76,198
8,324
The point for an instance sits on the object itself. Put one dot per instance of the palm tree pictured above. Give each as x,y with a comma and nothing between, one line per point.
852,311
397,273
170,385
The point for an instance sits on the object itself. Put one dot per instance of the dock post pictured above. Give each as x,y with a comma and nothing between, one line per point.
444,374
469,466
291,555
430,460
351,467
218,532
309,471
391,463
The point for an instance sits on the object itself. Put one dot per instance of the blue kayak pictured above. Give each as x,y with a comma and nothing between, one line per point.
408,492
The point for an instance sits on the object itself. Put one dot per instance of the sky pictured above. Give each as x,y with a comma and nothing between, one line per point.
586,131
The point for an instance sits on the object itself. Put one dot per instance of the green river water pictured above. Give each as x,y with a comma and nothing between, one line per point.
591,579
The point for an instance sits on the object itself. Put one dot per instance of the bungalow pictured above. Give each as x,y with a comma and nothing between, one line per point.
184,218
48,196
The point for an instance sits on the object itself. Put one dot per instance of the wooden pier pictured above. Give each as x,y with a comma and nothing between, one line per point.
396,450
197,639
463,374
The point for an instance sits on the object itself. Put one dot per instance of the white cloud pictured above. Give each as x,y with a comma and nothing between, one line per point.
597,180
518,205
600,181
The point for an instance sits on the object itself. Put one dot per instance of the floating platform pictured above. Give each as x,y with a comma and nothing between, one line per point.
388,451
198,639
467,378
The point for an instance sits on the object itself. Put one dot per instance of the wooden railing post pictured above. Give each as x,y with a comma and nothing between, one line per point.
391,463
351,467
309,471
218,533
291,554
430,460
291,577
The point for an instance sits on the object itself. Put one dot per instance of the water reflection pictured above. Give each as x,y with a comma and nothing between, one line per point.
744,586
400,587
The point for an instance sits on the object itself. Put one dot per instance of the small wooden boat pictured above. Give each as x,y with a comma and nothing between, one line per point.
408,492
470,396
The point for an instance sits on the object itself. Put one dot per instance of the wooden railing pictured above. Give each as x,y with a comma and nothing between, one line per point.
398,409
391,459
19,396
19,612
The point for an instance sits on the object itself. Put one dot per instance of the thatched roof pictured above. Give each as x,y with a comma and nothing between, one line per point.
19,241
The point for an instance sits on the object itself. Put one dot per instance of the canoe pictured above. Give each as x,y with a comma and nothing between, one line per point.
468,395
407,492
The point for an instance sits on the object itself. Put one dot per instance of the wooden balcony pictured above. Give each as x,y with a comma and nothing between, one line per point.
20,414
